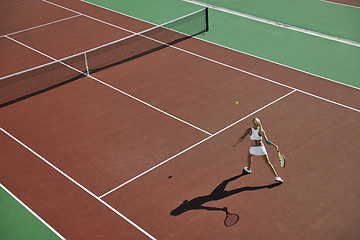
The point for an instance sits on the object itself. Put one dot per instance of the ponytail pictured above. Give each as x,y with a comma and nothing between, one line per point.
258,124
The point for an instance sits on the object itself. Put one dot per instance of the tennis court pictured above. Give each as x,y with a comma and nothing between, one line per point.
130,119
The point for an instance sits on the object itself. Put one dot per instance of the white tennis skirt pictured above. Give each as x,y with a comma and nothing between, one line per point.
259,150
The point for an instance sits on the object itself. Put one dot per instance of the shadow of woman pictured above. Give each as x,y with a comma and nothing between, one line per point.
217,194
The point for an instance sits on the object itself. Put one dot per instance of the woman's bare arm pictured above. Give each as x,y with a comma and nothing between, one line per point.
267,140
242,137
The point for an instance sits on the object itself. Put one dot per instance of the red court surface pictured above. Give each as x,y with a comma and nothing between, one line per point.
315,202
114,155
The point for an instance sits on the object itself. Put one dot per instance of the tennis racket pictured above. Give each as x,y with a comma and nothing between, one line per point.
281,159
231,218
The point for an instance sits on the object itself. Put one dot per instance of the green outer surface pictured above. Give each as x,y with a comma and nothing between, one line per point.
16,222
326,58
309,53
336,20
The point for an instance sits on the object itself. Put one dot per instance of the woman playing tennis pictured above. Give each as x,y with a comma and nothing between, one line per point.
257,147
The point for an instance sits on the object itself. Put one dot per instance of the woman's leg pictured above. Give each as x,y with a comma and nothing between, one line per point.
267,160
249,159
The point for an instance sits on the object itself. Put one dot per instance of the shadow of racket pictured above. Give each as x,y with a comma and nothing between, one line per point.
231,218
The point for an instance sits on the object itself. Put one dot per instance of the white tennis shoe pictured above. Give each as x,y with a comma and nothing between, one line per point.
247,170
279,179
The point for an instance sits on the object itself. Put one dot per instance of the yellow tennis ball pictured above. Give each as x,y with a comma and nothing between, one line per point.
236,102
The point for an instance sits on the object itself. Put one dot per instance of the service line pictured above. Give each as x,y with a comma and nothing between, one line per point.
196,144
42,25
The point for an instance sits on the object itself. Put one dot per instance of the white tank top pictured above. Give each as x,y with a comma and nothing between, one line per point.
255,134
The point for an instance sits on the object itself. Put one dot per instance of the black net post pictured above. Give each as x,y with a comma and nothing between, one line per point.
207,19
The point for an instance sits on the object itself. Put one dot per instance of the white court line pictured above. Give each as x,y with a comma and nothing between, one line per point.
39,26
299,70
32,212
78,184
196,144
112,87
347,5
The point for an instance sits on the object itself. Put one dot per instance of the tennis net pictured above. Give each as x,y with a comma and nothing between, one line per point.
21,85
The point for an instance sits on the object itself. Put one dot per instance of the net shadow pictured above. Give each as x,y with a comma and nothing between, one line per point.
35,81
142,54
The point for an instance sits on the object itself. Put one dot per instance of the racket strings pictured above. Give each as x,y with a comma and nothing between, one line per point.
282,160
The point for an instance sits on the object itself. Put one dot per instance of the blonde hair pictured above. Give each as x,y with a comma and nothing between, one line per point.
257,123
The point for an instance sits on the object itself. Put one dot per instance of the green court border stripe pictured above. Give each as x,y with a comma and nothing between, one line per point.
312,74
32,212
